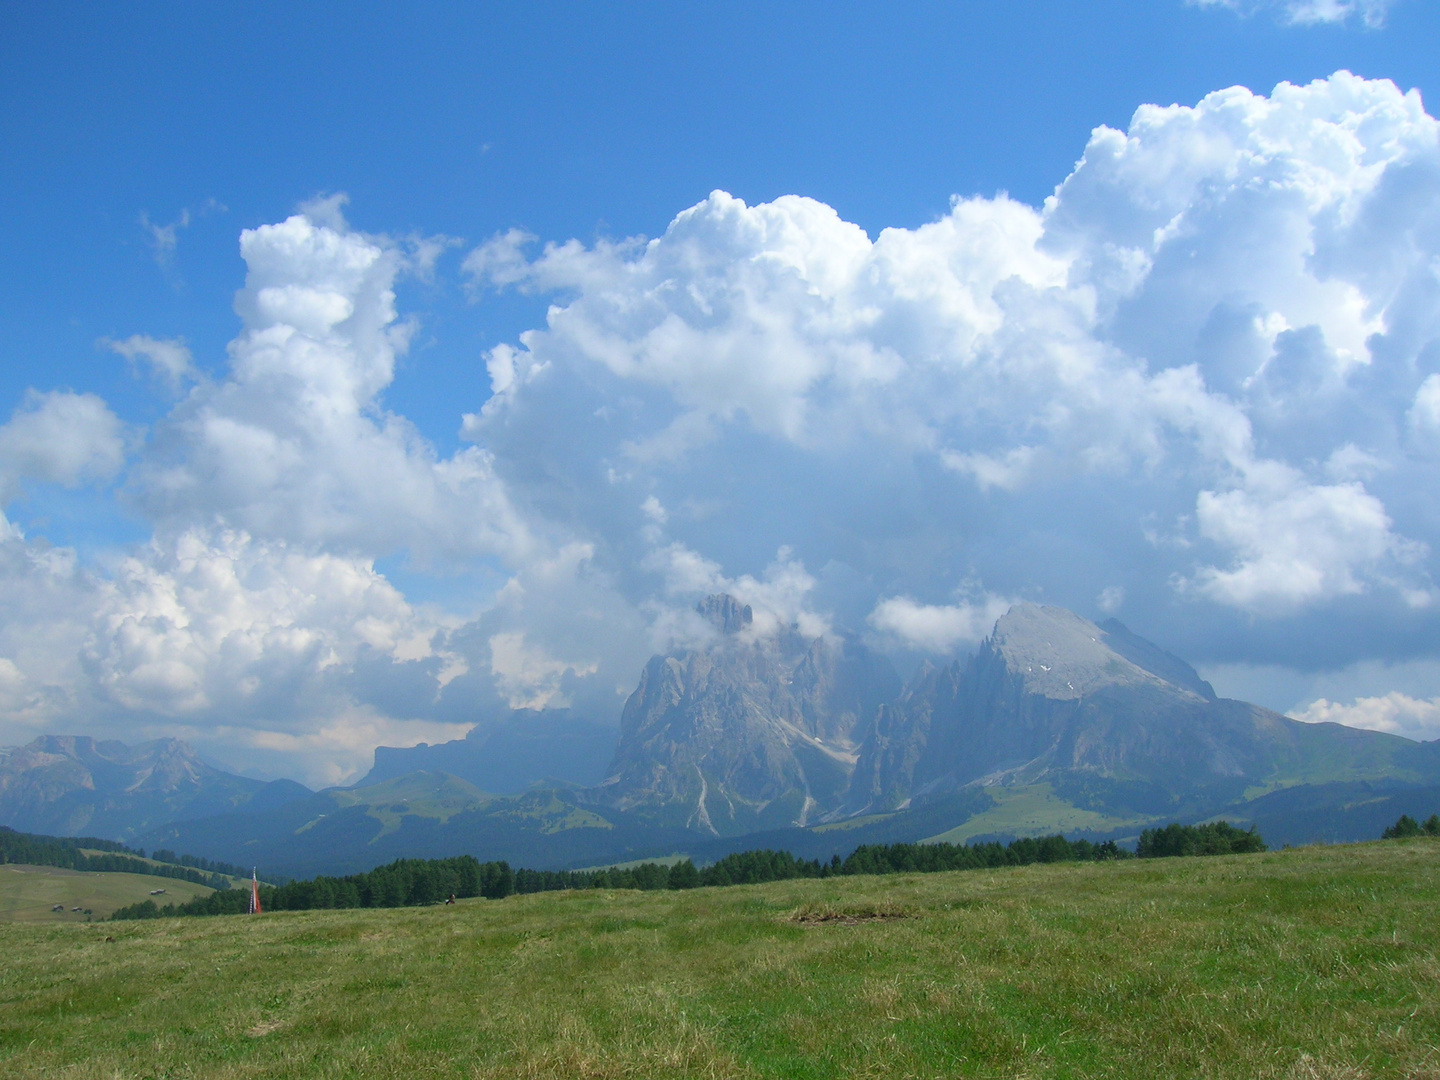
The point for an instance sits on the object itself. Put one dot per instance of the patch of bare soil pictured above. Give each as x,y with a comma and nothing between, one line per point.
828,915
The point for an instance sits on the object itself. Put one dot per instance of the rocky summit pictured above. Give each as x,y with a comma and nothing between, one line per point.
1108,719
748,731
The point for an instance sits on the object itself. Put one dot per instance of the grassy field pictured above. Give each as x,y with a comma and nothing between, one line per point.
1033,811
28,893
1305,964
235,882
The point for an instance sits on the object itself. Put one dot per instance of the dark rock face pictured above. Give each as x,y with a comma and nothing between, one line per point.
526,748
69,785
1107,716
749,732
727,613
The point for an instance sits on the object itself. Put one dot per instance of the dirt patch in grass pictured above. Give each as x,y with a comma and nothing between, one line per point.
848,915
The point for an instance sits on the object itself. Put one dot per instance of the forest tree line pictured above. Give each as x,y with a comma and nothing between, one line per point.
408,882
167,856
1408,826
68,853
1212,838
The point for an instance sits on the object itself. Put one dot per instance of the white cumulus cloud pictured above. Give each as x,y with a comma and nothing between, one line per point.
527,676
1396,713
1296,542
221,619
779,598
295,444
938,628
60,437
1215,309
170,360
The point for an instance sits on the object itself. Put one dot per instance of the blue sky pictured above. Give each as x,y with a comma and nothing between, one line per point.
567,120
538,554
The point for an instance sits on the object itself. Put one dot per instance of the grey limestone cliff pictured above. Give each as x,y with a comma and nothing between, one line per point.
1104,716
749,731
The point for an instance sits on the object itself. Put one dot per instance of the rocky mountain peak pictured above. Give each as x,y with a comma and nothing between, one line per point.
745,734
1154,659
1053,695
728,614
1063,656
1055,652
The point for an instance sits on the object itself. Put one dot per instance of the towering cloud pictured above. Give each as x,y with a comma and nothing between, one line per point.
1216,330
1199,386
295,443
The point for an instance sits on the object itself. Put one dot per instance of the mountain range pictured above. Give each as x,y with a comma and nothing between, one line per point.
72,785
749,739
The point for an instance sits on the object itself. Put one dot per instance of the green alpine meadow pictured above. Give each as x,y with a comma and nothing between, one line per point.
1316,962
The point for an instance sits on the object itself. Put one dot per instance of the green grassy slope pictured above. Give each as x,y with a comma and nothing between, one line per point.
1302,964
28,893
1332,753
1035,810
235,882
430,795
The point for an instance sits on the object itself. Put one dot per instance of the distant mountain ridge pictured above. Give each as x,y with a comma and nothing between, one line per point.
810,743
66,785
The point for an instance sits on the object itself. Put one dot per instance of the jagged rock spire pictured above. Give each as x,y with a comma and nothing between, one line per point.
726,612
